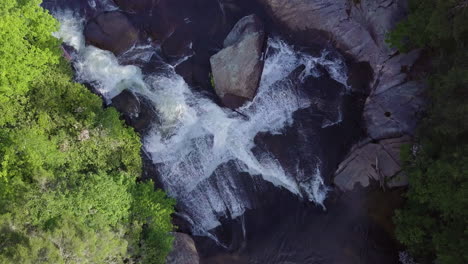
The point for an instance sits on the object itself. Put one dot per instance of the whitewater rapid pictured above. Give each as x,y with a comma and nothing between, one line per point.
199,147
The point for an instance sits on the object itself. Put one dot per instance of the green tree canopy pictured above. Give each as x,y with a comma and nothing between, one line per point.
26,45
68,168
434,222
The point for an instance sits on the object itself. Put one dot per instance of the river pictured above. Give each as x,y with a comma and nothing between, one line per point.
252,186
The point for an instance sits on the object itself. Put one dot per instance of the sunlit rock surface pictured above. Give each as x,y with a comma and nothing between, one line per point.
238,67
112,31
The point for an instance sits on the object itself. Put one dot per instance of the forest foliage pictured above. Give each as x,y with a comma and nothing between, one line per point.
69,188
434,222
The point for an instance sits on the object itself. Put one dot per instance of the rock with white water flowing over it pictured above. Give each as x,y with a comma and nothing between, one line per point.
111,31
184,250
136,110
238,67
203,154
359,29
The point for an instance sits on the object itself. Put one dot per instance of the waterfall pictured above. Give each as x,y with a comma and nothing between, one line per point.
199,148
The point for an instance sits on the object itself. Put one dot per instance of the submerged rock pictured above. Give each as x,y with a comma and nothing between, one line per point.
238,67
184,250
111,31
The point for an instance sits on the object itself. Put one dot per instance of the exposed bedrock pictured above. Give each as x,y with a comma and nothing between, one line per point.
238,67
373,161
395,103
184,250
356,29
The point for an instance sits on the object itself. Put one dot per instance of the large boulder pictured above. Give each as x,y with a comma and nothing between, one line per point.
111,31
184,251
238,67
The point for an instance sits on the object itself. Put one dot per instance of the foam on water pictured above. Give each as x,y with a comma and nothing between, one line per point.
71,28
196,138
102,69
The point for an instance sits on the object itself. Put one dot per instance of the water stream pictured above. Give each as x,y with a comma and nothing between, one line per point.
198,146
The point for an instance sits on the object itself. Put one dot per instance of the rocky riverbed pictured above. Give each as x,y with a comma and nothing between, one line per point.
276,124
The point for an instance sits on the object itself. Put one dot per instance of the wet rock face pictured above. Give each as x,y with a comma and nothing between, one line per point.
393,107
136,5
111,31
238,67
357,29
136,111
128,104
360,75
179,44
184,251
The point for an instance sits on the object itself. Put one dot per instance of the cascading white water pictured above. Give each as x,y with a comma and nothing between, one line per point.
196,138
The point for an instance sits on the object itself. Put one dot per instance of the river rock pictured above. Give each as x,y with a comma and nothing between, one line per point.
127,103
184,251
159,23
358,29
136,5
111,31
238,67
136,110
372,161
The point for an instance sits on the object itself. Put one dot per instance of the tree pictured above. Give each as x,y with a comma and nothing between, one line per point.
25,45
434,222
69,191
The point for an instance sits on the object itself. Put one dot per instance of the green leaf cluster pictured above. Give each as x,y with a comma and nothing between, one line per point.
68,168
434,222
